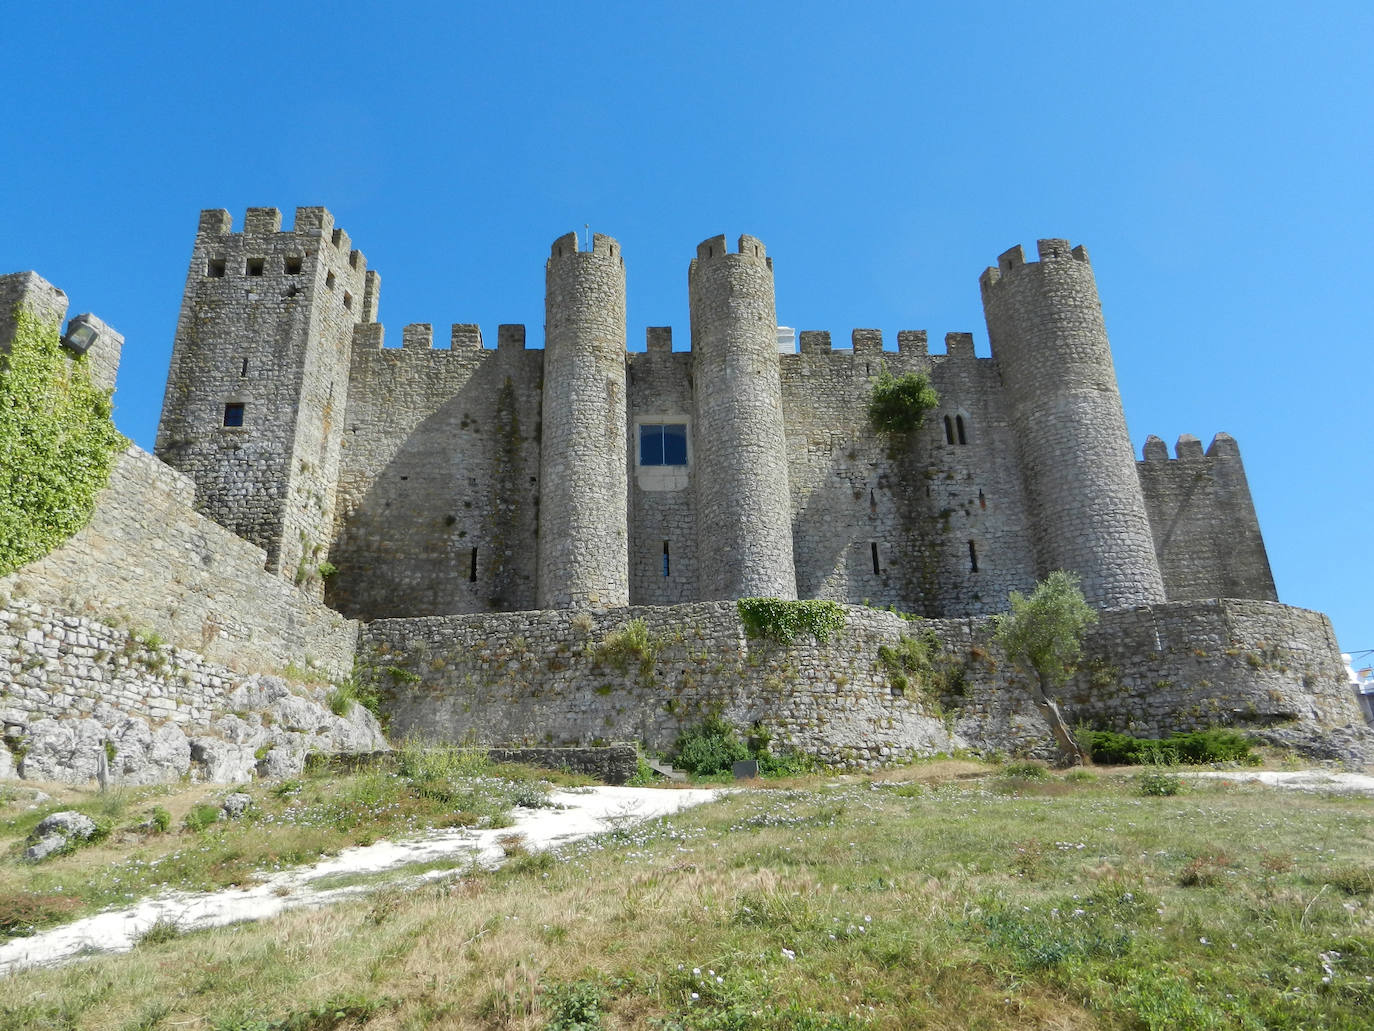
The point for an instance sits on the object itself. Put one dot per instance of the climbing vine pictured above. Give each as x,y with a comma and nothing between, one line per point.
57,443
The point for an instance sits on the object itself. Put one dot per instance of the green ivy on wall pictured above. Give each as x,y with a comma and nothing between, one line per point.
57,443
785,621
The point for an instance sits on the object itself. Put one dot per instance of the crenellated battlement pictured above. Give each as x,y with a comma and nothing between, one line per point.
869,343
1188,448
1012,260
750,247
603,246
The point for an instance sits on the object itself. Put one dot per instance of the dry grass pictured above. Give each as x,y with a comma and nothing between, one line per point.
920,898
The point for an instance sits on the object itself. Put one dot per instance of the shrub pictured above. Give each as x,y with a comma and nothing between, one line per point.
631,643
160,819
200,817
1158,783
1024,771
345,694
898,404
1195,747
709,749
784,621
57,443
914,656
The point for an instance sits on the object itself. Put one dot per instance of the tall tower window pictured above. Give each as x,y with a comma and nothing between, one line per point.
972,557
959,426
949,430
665,558
233,415
663,444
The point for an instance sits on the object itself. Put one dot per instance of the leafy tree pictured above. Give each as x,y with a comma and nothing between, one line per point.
1045,632
899,404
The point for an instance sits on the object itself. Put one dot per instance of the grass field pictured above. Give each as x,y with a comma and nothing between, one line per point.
948,895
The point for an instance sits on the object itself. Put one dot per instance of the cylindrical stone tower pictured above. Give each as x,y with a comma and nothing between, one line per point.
1086,506
744,510
583,534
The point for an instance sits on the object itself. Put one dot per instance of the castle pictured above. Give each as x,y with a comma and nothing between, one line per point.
470,479
471,530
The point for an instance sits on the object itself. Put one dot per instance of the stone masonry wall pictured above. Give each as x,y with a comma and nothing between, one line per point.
1206,533
552,678
546,678
148,560
75,691
662,499
940,511
438,496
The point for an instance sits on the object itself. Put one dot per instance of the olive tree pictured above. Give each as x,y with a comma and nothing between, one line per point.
1045,632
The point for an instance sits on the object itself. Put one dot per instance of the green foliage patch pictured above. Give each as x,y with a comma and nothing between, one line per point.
898,404
1196,747
785,621
632,643
57,443
713,747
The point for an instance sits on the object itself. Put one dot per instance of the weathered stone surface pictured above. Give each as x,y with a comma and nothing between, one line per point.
235,805
55,832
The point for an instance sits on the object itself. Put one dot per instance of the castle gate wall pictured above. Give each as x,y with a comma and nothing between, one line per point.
438,490
149,561
661,499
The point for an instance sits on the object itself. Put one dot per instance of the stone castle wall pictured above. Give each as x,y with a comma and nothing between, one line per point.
1207,536
552,678
148,560
438,498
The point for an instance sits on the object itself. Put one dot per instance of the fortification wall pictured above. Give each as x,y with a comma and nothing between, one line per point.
549,678
939,513
544,678
662,499
148,560
438,491
1206,533
75,691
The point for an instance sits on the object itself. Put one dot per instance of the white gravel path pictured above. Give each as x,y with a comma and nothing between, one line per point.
583,812
1321,781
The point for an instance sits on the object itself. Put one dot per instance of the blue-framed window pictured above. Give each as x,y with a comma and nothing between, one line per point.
663,443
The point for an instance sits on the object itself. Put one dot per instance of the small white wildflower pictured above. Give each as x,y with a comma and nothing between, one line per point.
788,954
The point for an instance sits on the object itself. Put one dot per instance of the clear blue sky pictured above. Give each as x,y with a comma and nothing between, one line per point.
1215,158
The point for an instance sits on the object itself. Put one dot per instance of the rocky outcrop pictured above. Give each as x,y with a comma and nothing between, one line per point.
271,727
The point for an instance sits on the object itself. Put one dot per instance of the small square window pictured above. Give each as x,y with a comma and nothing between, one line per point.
329,280
293,265
254,266
348,300
663,444
233,415
214,268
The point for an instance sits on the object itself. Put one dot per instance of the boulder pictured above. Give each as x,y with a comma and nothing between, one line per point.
235,805
56,832
63,750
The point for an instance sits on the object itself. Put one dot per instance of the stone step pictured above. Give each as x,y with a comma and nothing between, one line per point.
665,770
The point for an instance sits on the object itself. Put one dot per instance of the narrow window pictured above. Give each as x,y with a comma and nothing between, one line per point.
959,424
214,268
472,569
982,501
873,547
233,415
348,303
254,266
329,280
293,265
244,370
665,558
949,431
972,557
